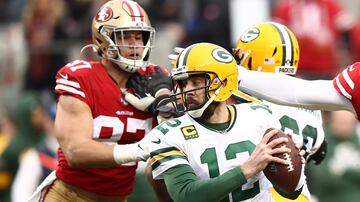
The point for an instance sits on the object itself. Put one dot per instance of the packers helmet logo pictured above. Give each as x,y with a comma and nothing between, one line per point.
250,34
222,55
189,132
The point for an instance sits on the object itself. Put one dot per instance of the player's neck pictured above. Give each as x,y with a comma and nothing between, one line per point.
221,114
119,76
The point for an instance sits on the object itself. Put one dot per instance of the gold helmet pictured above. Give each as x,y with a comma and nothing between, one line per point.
115,18
218,67
268,47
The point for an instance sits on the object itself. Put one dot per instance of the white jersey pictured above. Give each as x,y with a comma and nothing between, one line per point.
211,153
305,127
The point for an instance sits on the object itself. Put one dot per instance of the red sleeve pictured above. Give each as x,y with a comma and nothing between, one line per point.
72,80
347,83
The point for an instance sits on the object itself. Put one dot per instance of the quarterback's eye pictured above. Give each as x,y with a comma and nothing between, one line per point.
198,82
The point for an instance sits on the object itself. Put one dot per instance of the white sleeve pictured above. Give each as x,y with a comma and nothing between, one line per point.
27,178
286,90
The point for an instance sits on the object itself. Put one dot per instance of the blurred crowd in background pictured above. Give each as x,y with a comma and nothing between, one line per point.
38,37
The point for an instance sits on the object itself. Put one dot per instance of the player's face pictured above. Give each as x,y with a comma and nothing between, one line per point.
131,41
196,95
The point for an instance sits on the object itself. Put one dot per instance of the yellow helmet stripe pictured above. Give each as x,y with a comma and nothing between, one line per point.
288,46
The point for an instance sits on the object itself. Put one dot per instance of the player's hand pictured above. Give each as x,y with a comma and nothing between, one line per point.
319,155
164,105
263,155
173,56
159,80
139,83
141,99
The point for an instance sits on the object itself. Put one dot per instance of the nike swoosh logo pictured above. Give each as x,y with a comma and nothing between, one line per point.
64,76
351,68
156,142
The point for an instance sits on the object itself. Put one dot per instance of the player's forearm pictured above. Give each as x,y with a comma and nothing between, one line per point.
184,185
88,153
287,90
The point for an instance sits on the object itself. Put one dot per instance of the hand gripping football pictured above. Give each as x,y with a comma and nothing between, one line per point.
284,177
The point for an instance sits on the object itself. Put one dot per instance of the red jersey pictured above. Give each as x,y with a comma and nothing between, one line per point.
347,84
115,122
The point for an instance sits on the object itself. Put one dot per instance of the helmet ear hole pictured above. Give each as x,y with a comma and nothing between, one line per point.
250,63
274,52
237,53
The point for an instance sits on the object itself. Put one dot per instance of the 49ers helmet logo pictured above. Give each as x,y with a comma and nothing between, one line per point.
104,14
221,55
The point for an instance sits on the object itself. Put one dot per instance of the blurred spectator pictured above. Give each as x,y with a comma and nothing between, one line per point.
210,24
40,20
338,177
29,118
165,15
37,163
318,25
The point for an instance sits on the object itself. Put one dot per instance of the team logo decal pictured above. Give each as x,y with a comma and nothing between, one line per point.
250,34
104,14
222,55
189,132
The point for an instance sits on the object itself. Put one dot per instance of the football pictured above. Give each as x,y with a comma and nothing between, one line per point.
284,177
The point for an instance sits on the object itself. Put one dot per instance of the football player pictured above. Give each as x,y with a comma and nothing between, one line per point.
214,151
94,118
272,47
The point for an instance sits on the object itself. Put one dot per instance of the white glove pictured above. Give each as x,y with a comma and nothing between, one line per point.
173,56
129,153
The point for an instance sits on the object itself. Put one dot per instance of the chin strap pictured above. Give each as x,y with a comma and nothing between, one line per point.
199,112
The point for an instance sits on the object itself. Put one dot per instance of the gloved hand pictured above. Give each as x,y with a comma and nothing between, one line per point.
164,104
173,56
320,154
158,80
141,99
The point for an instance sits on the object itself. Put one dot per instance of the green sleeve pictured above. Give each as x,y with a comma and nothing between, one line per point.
183,184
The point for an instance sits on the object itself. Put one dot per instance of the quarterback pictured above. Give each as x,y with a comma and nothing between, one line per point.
214,151
93,118
272,47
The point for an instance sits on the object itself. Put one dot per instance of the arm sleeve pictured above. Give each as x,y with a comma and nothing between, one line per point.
183,184
286,90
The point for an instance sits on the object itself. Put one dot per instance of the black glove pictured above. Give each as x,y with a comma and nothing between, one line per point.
139,84
161,104
158,80
320,154
141,98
